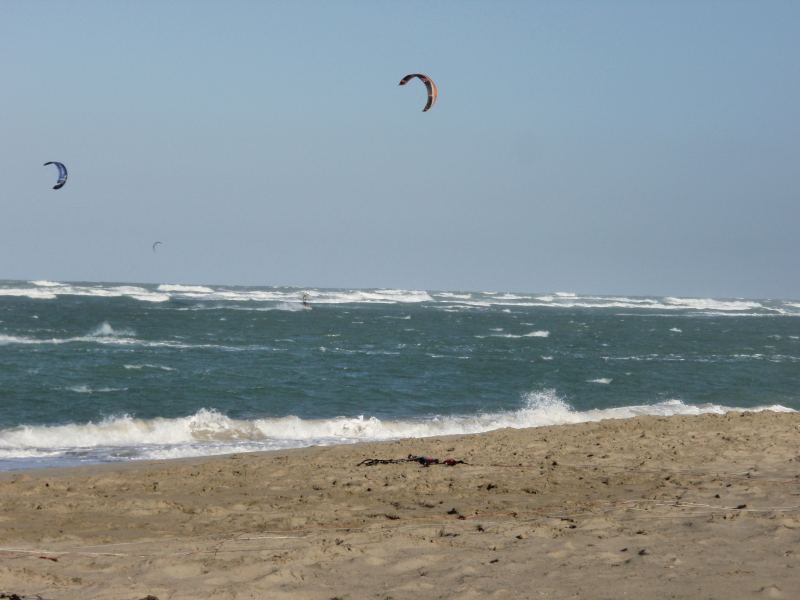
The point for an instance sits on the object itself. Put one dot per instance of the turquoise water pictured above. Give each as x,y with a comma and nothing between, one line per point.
110,372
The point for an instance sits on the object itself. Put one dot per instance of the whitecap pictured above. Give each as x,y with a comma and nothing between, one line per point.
33,293
539,334
148,366
176,287
109,336
46,283
711,304
105,330
85,389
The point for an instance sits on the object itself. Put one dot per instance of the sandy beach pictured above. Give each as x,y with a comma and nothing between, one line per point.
679,507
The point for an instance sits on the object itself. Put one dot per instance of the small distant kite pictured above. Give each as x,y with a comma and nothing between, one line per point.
62,174
433,91
156,245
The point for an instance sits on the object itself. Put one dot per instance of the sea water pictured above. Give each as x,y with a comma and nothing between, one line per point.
95,372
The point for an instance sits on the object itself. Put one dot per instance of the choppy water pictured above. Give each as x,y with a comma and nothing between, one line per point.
109,372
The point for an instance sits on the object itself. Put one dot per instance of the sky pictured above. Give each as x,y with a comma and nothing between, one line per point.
617,147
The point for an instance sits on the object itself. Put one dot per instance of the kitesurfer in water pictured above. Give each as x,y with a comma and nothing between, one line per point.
305,301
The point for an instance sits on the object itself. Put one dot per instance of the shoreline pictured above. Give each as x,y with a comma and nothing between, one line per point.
451,426
678,504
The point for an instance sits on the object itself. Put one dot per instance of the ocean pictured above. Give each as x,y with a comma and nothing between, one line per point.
101,372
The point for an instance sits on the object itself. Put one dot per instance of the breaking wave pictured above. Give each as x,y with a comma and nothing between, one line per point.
85,389
208,432
105,330
50,290
186,289
444,300
533,334
105,334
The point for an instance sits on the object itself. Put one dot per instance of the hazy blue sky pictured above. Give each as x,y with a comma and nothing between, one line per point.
606,147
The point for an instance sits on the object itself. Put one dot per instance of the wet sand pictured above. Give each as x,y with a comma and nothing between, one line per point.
678,507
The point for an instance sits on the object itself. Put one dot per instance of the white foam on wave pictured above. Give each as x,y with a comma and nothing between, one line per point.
190,289
532,334
49,290
539,334
85,389
284,306
385,296
127,341
148,366
711,304
107,335
17,453
137,293
33,293
103,333
291,307
210,432
105,330
15,339
669,304
455,305
332,296
601,380
705,306
291,299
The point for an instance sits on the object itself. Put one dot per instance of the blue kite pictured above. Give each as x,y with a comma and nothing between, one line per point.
62,174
